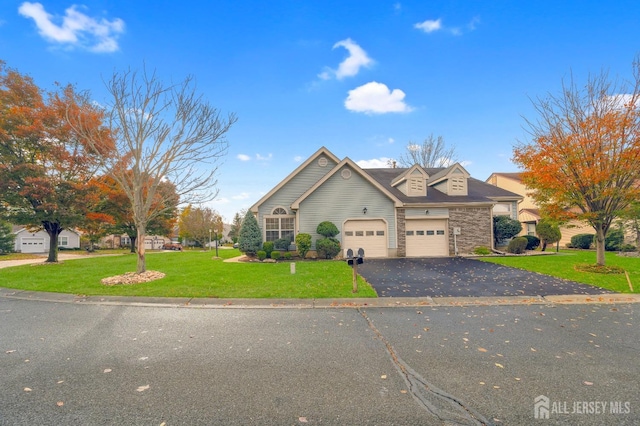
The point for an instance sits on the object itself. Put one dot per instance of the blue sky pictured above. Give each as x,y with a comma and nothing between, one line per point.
363,78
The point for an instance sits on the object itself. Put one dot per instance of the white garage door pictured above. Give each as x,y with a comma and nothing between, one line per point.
371,235
427,238
32,245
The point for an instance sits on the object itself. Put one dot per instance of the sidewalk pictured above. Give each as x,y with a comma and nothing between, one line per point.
380,302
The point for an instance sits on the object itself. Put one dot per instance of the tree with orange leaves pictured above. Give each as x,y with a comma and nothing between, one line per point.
44,165
583,161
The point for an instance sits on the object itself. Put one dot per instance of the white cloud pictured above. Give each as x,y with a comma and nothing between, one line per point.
297,158
433,25
376,163
241,196
429,25
76,29
243,157
357,59
262,158
391,140
376,98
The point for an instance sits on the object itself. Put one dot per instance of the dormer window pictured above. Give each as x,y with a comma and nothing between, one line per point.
458,186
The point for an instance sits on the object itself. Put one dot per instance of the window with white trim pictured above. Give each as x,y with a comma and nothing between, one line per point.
279,225
63,241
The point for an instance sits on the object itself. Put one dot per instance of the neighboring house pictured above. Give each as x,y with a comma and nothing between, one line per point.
528,211
38,242
390,212
151,242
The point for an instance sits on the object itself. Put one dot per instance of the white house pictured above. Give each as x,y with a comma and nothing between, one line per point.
38,242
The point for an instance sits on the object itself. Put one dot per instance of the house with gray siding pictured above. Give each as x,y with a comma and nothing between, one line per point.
389,212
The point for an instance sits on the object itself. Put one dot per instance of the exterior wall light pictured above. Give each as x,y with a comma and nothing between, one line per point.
364,210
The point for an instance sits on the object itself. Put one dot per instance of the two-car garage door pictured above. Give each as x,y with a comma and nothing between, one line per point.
32,245
427,238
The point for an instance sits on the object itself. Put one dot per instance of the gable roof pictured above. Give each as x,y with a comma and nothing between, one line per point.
404,176
347,161
445,172
478,191
318,153
517,176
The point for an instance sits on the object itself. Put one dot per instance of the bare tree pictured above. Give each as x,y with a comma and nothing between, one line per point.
431,153
161,132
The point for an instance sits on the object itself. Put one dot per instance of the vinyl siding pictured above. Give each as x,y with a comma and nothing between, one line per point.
293,189
340,199
433,212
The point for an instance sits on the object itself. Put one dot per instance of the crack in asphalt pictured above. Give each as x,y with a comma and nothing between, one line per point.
446,407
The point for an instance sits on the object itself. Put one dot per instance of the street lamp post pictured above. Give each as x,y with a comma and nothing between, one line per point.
209,239
216,243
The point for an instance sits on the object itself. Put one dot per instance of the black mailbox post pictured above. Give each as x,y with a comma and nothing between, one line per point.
354,261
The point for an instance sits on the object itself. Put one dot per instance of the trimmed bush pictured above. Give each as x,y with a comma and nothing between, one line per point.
517,245
327,229
627,248
614,239
548,231
262,255
582,241
275,255
328,248
482,251
533,242
504,228
282,244
267,246
303,244
287,255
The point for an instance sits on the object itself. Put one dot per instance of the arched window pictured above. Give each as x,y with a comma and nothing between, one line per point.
280,224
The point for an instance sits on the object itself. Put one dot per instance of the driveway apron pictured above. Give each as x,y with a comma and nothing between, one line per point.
460,277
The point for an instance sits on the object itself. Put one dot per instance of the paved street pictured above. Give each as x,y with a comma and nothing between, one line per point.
72,363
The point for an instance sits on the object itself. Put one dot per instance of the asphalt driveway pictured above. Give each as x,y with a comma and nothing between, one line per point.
460,277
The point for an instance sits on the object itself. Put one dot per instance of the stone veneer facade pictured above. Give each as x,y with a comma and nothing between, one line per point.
476,228
402,236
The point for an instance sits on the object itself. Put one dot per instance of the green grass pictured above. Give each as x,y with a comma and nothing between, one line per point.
190,274
563,265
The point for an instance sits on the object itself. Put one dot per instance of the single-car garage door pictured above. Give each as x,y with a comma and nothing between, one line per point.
427,238
371,235
32,245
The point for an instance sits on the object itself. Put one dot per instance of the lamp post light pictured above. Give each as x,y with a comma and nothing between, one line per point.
216,243
209,239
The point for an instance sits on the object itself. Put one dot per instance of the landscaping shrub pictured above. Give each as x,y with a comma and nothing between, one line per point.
582,241
328,248
548,231
6,238
517,245
504,228
533,242
327,229
627,248
287,255
276,255
267,246
482,251
282,244
250,237
614,240
262,255
303,244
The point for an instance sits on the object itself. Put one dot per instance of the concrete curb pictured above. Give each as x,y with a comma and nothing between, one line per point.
381,302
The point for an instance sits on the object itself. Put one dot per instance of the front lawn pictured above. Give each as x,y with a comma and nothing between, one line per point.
562,265
190,274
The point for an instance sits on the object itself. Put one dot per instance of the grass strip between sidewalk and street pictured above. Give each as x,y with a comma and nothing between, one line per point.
190,274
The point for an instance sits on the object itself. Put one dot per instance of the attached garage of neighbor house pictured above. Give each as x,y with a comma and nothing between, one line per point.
32,245
427,238
371,235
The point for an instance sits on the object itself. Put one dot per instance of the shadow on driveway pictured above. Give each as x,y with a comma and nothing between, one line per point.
459,277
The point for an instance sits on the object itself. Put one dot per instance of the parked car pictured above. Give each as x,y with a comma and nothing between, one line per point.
172,246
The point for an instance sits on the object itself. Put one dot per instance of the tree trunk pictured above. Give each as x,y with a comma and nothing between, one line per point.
133,243
544,246
142,263
53,230
600,260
